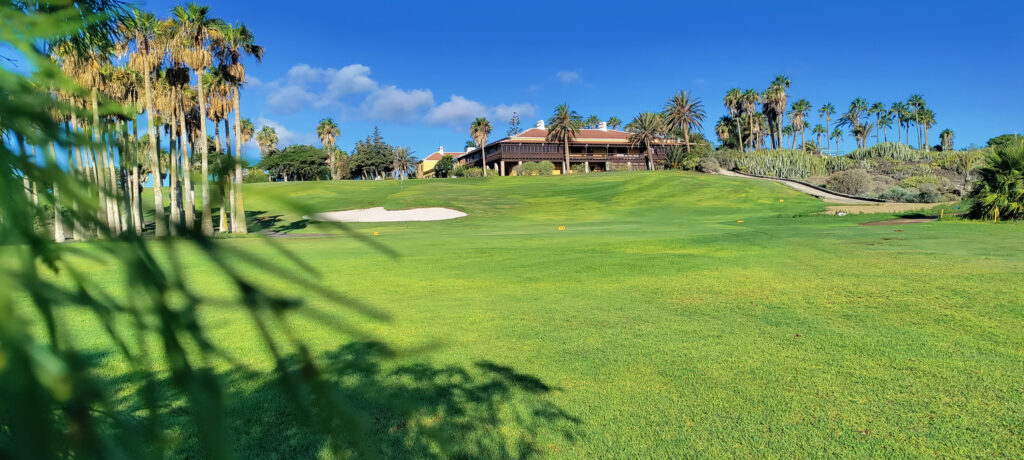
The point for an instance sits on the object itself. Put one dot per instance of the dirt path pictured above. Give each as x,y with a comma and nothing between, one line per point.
825,196
877,208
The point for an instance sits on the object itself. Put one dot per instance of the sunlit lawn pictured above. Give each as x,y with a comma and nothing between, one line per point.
654,325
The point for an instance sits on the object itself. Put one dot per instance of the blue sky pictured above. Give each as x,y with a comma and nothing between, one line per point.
423,70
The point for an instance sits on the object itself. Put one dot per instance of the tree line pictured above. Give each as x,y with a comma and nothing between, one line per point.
372,158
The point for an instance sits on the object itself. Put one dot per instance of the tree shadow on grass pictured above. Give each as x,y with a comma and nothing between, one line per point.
412,411
258,221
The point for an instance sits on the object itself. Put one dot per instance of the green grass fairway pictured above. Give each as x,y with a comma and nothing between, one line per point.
654,326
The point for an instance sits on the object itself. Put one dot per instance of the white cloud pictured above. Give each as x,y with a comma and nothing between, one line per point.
392,103
503,112
290,99
568,76
351,79
355,94
458,110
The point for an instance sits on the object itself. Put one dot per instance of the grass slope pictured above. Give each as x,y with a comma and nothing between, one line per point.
654,325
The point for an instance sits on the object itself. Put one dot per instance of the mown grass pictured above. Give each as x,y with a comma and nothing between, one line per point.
654,325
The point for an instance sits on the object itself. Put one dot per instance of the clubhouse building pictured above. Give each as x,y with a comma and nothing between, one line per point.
600,149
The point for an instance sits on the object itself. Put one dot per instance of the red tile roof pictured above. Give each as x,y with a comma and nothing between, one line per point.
580,134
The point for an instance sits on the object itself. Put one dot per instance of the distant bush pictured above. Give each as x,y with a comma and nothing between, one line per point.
579,168
444,167
254,176
709,165
679,158
467,171
917,181
930,193
851,182
726,158
898,194
531,168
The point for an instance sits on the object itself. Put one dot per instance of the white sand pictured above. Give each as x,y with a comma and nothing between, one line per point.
383,215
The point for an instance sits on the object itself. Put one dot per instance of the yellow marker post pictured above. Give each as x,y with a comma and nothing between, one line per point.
739,221
942,213
780,201
376,233
561,227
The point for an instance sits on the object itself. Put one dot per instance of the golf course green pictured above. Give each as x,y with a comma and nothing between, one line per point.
673,315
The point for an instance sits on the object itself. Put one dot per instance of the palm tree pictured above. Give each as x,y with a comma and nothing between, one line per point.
818,130
479,130
648,127
775,99
614,122
946,139
328,133
403,160
723,130
798,118
734,104
837,135
916,103
684,112
592,122
877,109
927,120
195,34
237,41
140,30
1000,188
563,125
826,111
749,100
885,122
899,110
267,140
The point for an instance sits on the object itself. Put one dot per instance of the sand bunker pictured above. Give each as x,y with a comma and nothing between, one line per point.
383,215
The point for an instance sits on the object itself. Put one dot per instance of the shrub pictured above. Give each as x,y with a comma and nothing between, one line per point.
898,194
893,150
467,171
930,193
679,158
852,181
530,168
917,181
709,165
254,176
999,191
726,158
444,167
790,164
579,168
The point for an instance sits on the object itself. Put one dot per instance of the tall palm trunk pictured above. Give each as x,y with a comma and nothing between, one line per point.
229,184
739,133
103,208
483,156
222,216
565,163
58,218
188,200
238,212
172,156
686,137
207,216
78,233
828,132
650,157
154,158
